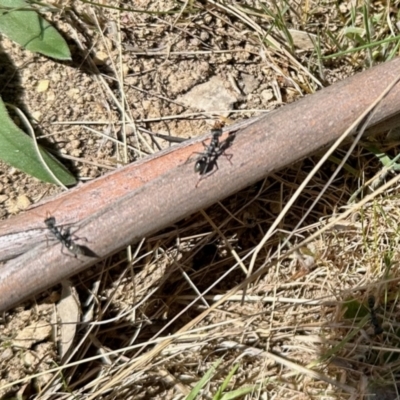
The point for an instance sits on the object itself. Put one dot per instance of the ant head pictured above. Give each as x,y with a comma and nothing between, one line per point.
219,124
217,128
50,221
49,218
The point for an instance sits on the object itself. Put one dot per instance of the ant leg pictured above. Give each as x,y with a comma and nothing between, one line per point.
211,164
62,252
228,157
74,237
197,152
189,158
197,184
204,144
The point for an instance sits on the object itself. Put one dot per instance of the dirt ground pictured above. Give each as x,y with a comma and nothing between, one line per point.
162,64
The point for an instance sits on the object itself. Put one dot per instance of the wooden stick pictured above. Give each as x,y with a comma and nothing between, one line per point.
133,202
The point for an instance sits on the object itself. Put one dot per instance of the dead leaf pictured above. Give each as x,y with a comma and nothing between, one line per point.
68,310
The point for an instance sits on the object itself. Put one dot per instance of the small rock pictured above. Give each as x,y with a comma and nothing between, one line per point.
43,85
249,83
100,58
267,95
204,36
75,144
6,355
37,115
23,202
210,96
32,334
303,40
29,359
76,152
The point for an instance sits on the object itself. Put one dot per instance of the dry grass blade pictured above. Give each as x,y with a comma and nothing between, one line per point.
323,159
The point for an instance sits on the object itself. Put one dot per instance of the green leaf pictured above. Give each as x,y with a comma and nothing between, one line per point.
225,383
26,27
196,390
18,150
239,393
353,309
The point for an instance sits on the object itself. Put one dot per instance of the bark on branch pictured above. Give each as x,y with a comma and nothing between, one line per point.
133,202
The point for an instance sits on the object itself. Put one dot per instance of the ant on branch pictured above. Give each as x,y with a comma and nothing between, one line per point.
211,151
208,158
64,237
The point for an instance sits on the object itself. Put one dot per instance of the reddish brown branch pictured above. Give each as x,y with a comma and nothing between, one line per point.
134,202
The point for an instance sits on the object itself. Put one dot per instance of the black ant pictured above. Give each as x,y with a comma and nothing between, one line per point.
208,159
203,162
374,319
65,238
